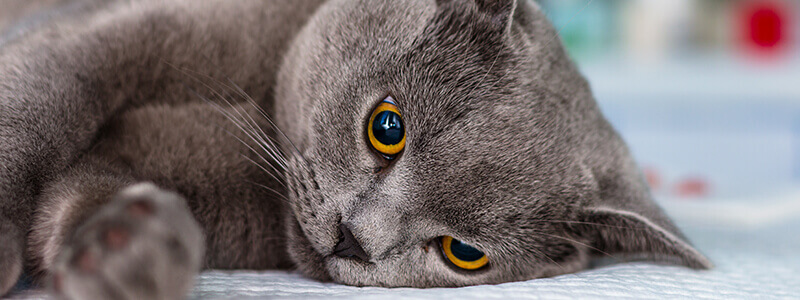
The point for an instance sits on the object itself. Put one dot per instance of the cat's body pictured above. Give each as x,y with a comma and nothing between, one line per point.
506,148
199,158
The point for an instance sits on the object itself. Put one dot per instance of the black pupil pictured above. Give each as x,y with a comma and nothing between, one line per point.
388,128
464,252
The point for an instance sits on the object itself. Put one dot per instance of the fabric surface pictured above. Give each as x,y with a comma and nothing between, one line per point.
760,263
756,264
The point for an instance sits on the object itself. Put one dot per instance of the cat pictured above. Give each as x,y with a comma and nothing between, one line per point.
395,143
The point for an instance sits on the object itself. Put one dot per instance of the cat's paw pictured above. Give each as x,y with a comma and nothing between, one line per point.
10,255
145,244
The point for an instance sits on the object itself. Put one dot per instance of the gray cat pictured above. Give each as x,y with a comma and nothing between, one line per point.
413,143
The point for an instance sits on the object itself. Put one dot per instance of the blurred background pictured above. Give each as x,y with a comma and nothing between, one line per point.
707,94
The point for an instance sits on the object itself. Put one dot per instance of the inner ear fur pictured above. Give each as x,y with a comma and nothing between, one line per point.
633,236
498,14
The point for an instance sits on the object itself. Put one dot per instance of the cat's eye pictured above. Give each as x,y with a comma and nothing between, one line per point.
462,255
385,129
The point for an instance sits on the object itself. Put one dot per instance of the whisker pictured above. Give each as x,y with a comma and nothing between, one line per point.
596,224
246,117
252,134
269,119
487,72
267,171
575,241
282,174
282,196
221,111
277,172
278,157
258,138
548,257
247,97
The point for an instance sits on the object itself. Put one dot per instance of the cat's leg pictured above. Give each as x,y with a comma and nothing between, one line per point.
64,205
98,237
59,85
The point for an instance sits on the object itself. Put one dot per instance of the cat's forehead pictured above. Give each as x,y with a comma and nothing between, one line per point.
410,50
374,27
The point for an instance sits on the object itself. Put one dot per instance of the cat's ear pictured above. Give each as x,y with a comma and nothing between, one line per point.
624,233
498,14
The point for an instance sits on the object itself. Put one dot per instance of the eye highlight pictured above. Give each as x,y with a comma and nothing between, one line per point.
462,255
385,129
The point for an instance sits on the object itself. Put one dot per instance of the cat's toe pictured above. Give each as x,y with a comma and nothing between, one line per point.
145,244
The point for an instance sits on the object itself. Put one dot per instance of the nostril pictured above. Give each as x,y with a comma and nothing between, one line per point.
348,246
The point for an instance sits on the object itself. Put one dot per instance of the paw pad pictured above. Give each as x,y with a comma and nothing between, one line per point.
58,282
116,238
85,261
140,208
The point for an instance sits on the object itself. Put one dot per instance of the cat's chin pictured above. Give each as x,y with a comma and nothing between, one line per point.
307,260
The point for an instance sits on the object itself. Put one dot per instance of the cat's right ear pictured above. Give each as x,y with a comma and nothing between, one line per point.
497,14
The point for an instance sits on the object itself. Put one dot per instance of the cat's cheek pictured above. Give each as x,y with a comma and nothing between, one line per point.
308,261
354,272
349,271
414,268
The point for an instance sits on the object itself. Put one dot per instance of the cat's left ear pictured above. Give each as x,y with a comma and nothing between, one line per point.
499,14
621,232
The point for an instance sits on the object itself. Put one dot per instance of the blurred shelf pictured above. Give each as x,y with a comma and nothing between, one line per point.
775,207
735,125
695,80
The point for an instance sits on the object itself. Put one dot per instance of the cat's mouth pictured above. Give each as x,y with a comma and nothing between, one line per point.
306,259
313,263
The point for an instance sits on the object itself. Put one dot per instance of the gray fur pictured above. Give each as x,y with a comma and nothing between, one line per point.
506,148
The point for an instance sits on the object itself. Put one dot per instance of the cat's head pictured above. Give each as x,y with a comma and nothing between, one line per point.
503,152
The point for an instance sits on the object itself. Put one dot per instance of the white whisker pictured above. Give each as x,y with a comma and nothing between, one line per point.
220,110
282,196
252,134
577,242
266,116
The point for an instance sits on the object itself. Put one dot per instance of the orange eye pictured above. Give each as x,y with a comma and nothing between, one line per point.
462,255
385,129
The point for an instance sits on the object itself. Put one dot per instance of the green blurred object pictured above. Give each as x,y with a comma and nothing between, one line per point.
588,28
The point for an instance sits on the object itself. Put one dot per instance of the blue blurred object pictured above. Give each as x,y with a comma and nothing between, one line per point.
714,124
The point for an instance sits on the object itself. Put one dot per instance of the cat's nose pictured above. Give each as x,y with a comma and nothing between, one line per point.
348,245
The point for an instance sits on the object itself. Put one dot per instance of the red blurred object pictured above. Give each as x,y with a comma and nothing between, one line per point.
653,178
765,27
693,187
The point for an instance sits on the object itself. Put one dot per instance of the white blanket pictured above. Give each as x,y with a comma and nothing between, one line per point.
755,263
